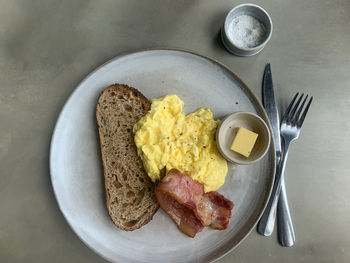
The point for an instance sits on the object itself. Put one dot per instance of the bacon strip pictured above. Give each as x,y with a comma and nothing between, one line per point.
184,200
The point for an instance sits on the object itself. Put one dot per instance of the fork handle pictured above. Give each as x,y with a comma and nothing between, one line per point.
286,234
267,220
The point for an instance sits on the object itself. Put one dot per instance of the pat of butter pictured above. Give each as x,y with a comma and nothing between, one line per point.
244,141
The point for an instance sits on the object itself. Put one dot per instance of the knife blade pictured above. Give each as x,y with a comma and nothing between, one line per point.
271,109
266,224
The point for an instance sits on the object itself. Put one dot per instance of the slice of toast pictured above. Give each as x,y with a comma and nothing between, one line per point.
130,197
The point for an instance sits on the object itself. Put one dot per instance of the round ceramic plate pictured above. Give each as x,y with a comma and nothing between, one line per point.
76,167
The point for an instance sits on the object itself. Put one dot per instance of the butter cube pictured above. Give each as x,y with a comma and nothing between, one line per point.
244,141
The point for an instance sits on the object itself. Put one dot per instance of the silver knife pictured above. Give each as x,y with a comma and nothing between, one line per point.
267,221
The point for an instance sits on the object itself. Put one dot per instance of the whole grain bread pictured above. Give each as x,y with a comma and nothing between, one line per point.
130,197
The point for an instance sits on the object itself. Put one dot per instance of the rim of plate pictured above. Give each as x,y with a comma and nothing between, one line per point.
228,70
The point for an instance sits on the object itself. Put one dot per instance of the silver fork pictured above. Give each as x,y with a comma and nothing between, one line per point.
290,130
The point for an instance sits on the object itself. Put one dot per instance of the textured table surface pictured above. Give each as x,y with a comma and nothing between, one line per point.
48,47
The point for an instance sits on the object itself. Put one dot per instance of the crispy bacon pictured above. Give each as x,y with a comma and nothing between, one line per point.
215,210
184,200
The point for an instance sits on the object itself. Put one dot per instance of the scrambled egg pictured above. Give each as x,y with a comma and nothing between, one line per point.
165,137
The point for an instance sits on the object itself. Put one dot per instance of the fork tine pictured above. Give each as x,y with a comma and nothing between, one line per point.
301,108
285,116
291,115
301,120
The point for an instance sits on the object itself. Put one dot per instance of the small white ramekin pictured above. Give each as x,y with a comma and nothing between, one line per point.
228,129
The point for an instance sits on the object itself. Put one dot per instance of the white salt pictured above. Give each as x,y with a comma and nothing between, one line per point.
247,31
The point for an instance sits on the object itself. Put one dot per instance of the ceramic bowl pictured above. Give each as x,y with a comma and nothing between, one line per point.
245,9
227,131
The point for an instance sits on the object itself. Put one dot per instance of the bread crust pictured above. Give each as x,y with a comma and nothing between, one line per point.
131,94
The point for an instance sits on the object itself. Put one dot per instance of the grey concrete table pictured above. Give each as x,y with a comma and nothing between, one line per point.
48,47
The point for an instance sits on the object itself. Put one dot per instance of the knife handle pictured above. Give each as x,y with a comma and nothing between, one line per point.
267,220
286,234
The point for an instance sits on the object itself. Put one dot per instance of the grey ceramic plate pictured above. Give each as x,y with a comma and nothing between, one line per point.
76,170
